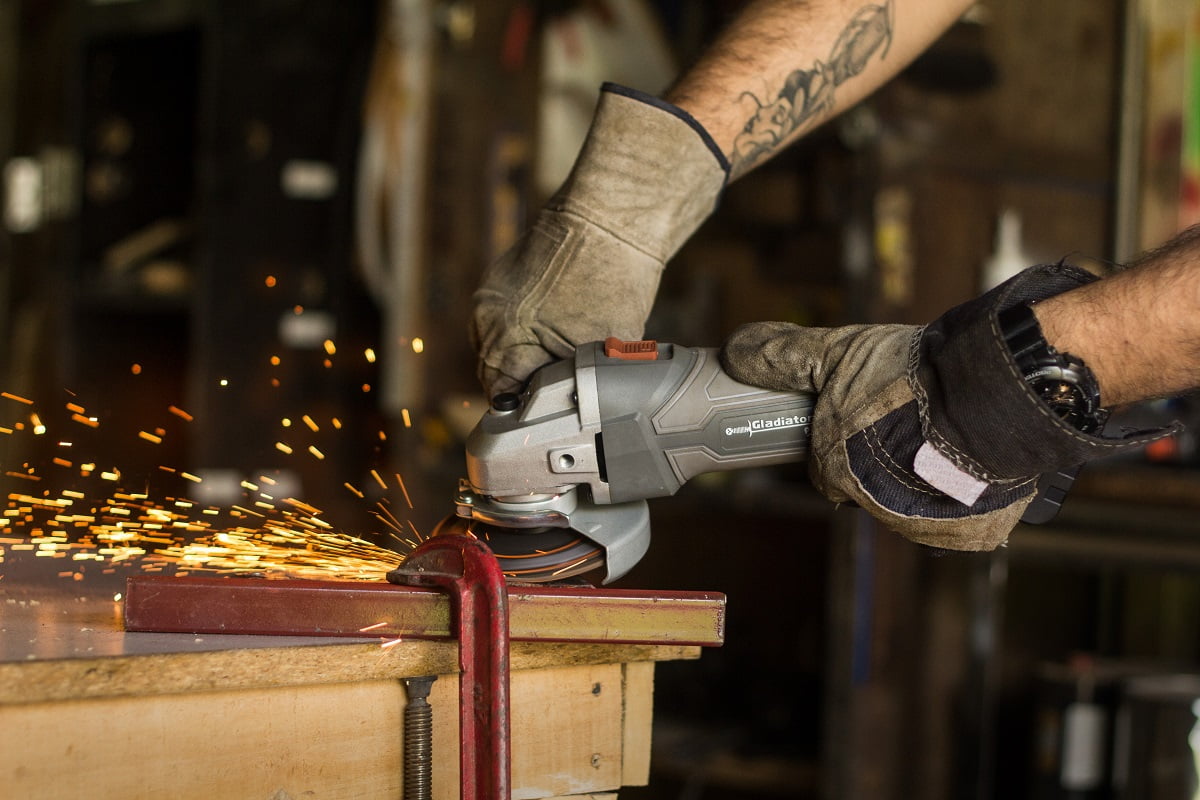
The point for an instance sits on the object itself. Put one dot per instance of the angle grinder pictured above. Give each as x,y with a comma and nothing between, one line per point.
558,475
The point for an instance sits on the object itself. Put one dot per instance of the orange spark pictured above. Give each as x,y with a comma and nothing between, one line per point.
407,499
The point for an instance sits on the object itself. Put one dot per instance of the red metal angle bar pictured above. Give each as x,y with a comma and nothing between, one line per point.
368,610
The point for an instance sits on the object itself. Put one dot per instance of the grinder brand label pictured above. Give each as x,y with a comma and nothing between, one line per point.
764,424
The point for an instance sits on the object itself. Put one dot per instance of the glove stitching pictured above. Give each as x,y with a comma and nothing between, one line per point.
549,272
577,210
900,470
902,475
960,459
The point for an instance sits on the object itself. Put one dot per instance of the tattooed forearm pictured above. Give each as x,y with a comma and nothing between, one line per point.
807,96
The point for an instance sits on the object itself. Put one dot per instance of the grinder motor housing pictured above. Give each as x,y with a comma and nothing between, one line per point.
631,421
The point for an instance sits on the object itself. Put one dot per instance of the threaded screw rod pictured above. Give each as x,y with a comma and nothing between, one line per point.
418,739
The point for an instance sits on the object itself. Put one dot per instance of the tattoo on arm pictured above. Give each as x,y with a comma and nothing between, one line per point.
807,95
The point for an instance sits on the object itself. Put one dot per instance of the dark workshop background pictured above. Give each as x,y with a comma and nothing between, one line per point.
189,187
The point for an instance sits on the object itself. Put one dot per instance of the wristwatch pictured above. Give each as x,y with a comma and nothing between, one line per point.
1061,380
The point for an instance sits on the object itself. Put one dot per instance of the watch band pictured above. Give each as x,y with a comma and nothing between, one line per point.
1061,380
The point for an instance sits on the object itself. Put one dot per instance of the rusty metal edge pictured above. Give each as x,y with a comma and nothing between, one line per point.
168,604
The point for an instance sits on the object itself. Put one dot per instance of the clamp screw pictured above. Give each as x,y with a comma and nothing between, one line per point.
418,738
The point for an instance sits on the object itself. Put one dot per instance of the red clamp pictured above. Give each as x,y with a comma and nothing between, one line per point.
466,569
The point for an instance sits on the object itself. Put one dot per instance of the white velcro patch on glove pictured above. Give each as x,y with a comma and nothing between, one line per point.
944,475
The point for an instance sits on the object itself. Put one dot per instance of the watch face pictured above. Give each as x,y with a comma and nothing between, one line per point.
1070,402
1061,380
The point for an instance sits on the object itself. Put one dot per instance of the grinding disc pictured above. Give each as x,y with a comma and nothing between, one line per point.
533,555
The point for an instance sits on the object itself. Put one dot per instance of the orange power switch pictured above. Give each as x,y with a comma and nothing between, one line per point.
645,350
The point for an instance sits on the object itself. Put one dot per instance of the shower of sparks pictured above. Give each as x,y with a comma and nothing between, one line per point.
90,516
288,539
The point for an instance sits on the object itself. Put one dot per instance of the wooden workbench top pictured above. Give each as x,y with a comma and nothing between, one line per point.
62,642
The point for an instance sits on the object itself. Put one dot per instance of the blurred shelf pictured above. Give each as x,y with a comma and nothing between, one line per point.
1121,516
1141,485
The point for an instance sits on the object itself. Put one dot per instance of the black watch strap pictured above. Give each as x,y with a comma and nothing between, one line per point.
1061,380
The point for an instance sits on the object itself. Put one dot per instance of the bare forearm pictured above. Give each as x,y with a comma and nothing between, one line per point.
1138,331
785,66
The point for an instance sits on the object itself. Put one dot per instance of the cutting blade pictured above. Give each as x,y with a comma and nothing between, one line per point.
531,555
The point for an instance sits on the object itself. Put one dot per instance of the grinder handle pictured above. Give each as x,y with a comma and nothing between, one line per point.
667,419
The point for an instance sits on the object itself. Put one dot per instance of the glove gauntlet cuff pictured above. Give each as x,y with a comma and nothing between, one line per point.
962,361
648,173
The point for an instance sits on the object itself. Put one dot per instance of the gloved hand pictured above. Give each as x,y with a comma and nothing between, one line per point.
646,177
933,430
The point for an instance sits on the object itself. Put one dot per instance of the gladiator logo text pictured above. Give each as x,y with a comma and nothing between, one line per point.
762,425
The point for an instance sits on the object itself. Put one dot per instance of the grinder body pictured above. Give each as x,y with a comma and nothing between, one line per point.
593,437
631,421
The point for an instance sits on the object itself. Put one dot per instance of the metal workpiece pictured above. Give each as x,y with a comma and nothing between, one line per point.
378,610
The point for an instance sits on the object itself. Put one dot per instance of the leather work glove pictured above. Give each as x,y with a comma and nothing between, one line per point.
647,176
933,430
